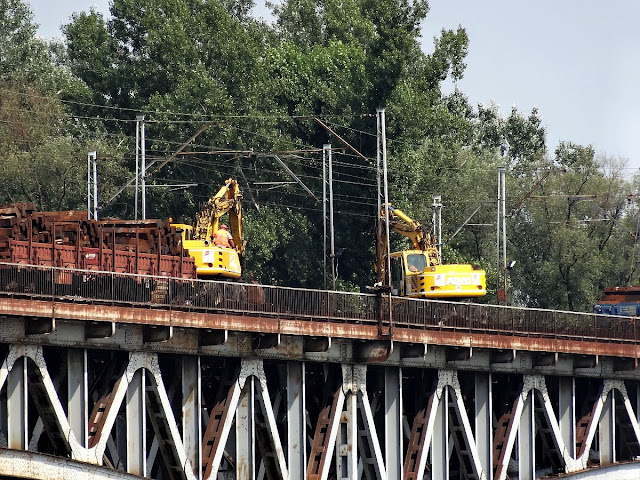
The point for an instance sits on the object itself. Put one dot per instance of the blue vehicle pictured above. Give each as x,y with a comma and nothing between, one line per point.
619,301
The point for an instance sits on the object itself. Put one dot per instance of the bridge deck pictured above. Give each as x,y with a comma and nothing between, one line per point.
43,292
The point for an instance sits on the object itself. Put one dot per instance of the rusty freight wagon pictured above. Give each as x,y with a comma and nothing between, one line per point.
68,240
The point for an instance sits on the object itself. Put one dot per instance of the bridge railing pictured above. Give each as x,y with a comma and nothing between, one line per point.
494,319
164,292
43,282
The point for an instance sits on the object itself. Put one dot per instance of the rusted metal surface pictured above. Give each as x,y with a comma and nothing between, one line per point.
324,437
251,323
550,445
417,438
214,436
99,414
162,431
583,426
339,400
69,239
504,430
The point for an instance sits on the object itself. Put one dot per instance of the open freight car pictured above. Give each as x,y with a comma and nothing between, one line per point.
69,240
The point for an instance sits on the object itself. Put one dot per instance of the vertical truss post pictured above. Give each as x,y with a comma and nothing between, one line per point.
17,405
440,441
637,409
606,430
245,433
296,422
347,443
483,421
393,421
191,412
526,440
77,403
567,412
136,424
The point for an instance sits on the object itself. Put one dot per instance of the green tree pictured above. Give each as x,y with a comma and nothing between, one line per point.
21,53
572,237
42,161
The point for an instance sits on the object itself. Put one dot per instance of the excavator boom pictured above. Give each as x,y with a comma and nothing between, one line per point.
401,223
227,199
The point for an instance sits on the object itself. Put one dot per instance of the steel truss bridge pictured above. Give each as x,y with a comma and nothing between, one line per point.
111,376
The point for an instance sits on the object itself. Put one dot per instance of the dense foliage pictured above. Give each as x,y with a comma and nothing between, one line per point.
238,97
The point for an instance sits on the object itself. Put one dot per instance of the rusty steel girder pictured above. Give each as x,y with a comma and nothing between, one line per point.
98,313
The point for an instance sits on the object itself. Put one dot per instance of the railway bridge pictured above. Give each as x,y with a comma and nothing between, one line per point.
113,376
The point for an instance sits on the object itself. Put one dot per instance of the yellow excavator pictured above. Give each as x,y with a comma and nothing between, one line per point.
216,261
419,273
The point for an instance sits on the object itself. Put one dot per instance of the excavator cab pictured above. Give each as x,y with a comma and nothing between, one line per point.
412,275
187,231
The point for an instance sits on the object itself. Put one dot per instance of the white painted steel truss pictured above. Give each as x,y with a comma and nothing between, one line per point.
191,417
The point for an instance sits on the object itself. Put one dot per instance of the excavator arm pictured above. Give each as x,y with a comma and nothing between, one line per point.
401,223
227,199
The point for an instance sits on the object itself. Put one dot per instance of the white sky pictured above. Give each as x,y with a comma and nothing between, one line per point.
575,60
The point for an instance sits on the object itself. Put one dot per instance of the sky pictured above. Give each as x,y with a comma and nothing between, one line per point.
576,61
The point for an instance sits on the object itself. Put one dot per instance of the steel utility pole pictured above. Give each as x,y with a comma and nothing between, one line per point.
437,222
141,170
144,170
383,193
327,167
501,225
92,185
383,199
135,204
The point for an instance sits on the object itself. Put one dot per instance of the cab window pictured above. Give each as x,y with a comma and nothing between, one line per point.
416,262
396,275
